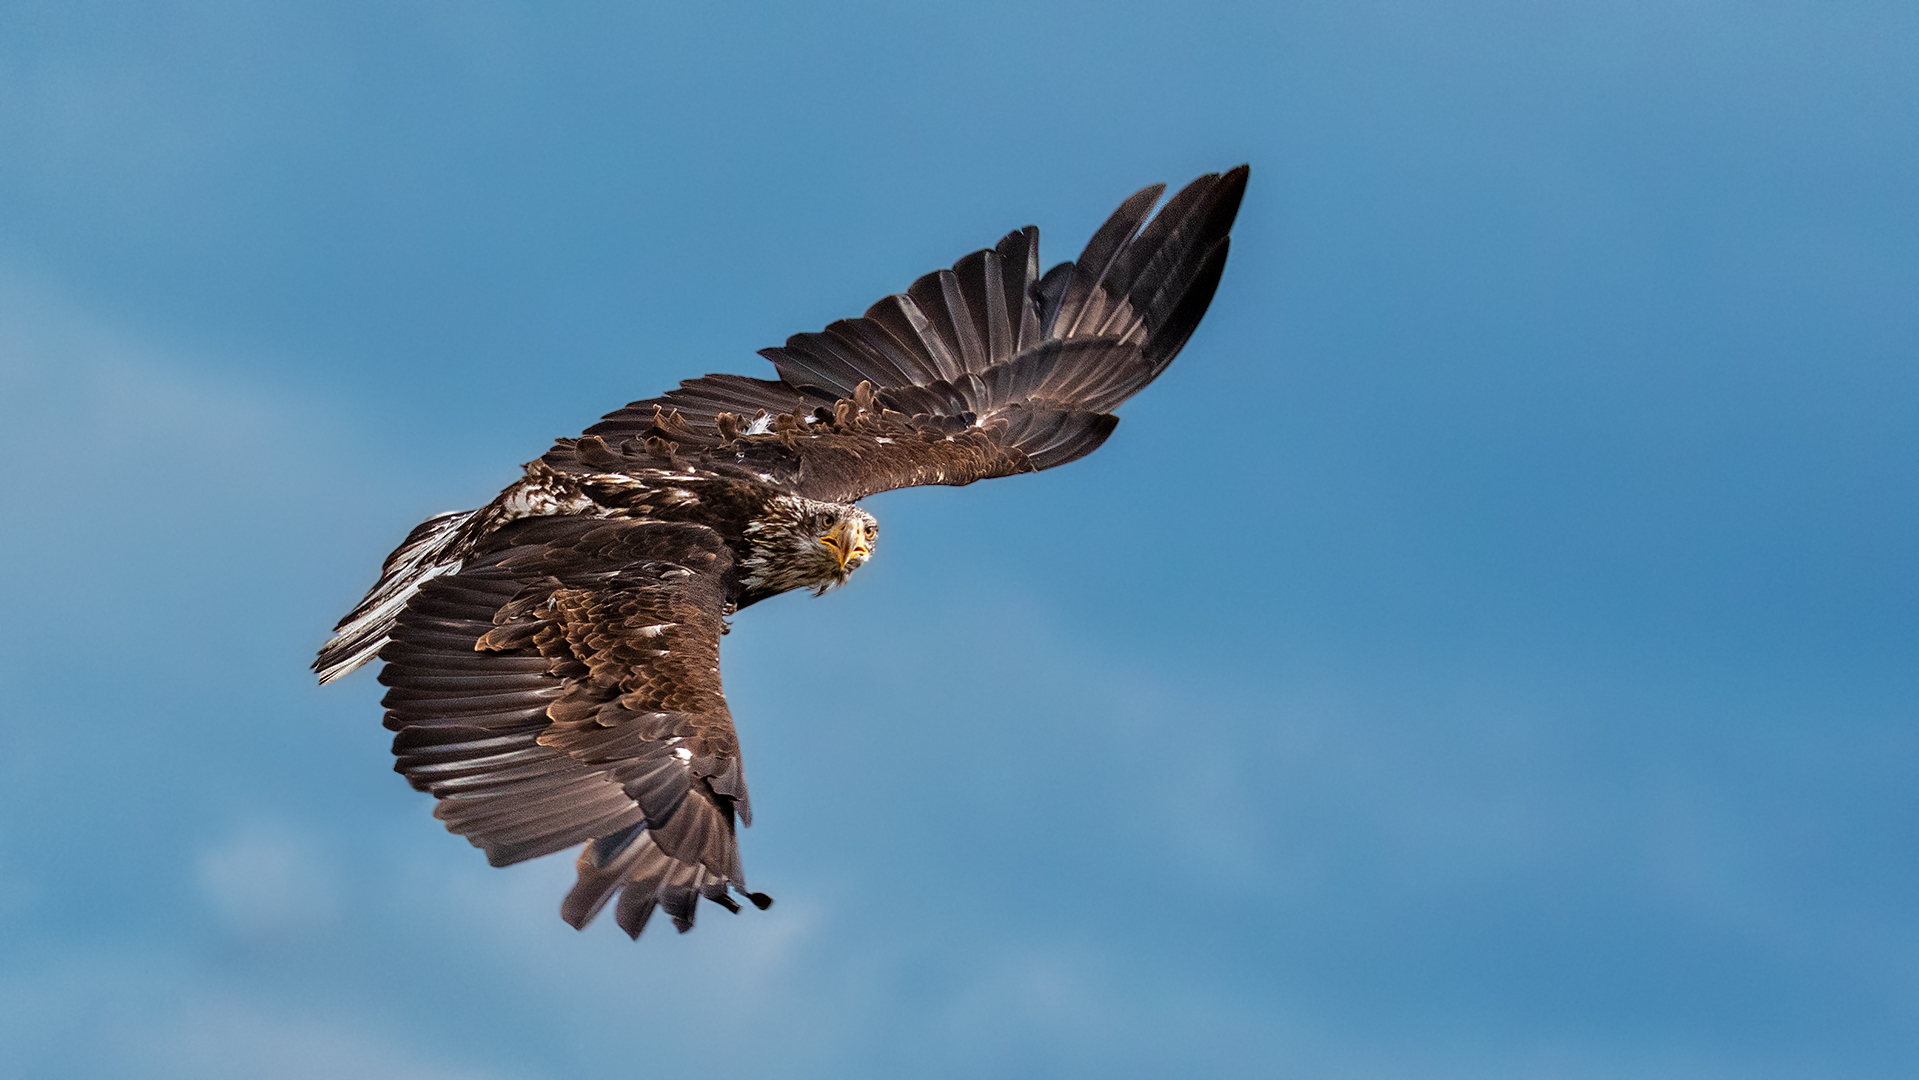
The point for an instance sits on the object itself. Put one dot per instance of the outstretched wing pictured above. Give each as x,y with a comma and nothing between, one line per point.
983,370
563,687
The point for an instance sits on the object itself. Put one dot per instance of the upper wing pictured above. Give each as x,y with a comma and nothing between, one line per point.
564,687
986,369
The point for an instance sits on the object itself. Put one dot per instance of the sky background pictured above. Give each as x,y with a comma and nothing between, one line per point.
1489,652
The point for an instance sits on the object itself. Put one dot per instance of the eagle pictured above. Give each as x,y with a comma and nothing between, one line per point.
552,658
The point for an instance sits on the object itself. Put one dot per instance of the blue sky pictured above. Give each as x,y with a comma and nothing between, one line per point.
1488,652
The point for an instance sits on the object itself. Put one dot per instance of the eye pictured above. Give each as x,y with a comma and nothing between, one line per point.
872,533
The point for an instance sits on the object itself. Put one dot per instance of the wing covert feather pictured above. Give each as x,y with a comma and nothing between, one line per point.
985,369
563,688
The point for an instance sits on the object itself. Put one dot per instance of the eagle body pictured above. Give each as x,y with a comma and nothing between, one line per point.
552,658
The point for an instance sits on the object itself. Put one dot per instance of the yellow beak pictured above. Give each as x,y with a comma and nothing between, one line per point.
847,540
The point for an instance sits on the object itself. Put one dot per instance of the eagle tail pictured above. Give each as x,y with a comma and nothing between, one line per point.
428,552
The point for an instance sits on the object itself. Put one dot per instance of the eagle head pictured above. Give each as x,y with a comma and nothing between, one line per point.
803,544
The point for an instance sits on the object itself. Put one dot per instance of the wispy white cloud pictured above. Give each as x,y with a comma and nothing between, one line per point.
85,402
269,881
148,1012
221,1036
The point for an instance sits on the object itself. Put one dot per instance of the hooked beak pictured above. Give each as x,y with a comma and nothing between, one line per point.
847,542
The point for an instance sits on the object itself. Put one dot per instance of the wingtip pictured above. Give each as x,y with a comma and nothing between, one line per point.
1232,188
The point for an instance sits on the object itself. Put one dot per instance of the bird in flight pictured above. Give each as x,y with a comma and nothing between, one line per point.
552,658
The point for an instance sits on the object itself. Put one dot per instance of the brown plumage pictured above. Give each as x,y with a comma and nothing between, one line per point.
553,657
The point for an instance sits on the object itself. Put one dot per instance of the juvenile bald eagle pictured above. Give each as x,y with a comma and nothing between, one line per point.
553,657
